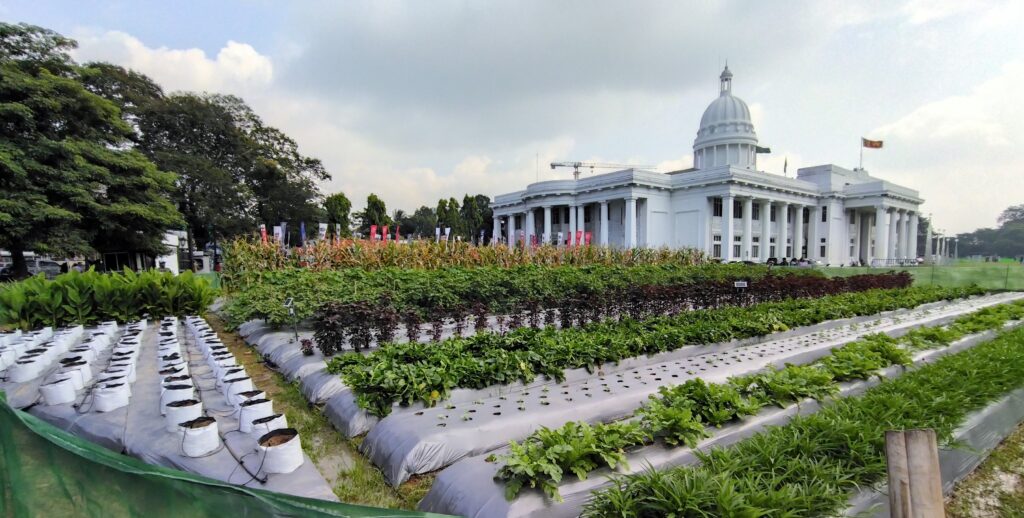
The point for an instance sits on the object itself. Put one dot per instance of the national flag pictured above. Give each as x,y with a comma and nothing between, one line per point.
759,149
872,144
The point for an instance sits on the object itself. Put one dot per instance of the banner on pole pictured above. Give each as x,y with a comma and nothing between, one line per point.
263,232
384,232
579,236
373,232
302,233
284,234
278,234
560,242
587,237
323,232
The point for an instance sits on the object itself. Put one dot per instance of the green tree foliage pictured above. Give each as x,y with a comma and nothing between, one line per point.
1007,240
69,181
337,206
420,223
376,213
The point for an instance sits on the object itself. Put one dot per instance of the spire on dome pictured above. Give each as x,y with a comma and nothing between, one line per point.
726,78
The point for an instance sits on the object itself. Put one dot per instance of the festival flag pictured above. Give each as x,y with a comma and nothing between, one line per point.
373,232
447,233
437,234
278,234
398,232
759,149
587,237
263,232
385,233
323,232
284,234
302,233
872,144
579,236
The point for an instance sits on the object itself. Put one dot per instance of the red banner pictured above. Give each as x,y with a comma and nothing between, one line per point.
587,238
579,237
398,235
385,232
873,144
263,233
373,232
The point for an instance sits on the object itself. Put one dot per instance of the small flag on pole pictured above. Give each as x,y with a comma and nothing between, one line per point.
872,144
760,149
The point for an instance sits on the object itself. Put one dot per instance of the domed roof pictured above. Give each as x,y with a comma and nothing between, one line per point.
727,108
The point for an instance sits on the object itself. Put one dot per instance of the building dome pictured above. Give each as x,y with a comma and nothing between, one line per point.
726,135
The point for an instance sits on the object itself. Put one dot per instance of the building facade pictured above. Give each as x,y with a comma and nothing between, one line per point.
723,205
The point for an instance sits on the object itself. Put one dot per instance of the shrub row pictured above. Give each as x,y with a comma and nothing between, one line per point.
810,466
89,297
415,372
362,322
244,256
681,414
450,292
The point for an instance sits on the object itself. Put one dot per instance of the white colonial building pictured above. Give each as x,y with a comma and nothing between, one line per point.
724,205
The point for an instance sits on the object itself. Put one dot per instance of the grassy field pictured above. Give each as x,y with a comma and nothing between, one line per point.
996,276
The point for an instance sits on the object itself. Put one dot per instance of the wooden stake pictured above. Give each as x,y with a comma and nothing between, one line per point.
899,475
925,477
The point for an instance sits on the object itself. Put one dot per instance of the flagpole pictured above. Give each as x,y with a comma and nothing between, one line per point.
861,154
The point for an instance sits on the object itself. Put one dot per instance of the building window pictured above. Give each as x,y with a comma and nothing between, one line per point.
736,250
717,207
789,216
824,214
772,214
823,251
716,248
737,209
807,214
851,251
789,251
757,212
756,251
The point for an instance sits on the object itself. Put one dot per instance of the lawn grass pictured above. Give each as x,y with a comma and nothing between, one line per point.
994,276
352,477
996,488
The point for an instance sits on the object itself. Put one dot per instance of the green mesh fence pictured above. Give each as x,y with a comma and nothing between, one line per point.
45,471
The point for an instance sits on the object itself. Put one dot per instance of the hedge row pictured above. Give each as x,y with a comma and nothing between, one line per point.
90,297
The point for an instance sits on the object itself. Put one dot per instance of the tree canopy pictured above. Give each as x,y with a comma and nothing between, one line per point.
70,183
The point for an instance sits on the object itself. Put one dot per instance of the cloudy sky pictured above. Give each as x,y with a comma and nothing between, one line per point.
419,100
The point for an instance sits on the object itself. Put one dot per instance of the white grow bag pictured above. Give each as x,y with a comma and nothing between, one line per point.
111,397
251,410
176,392
59,392
179,412
201,437
285,457
265,425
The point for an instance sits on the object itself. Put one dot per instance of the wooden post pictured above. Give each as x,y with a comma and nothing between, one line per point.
915,482
899,475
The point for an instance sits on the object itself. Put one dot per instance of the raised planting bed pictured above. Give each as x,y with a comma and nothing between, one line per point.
812,465
571,461
425,440
405,374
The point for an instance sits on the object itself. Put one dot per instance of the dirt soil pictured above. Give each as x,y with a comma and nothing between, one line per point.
996,488
352,477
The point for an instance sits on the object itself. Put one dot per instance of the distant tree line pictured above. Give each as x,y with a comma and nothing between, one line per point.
1006,240
97,158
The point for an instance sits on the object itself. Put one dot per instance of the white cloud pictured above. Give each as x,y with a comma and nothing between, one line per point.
238,68
963,152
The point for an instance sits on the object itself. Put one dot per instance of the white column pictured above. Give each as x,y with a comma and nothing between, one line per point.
496,231
547,224
881,233
813,231
727,227
913,236
531,225
782,218
630,222
905,238
798,231
511,229
604,223
748,229
581,222
572,224
766,230
894,223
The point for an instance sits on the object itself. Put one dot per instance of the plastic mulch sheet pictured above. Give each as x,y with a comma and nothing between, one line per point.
47,472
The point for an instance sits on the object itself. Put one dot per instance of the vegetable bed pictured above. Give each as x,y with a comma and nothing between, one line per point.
810,466
420,373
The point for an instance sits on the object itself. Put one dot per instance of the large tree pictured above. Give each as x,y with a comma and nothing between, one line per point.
337,206
69,181
375,213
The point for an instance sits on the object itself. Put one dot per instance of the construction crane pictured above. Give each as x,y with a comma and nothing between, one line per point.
595,165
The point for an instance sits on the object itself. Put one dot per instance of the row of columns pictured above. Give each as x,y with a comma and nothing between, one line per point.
895,233
576,223
764,246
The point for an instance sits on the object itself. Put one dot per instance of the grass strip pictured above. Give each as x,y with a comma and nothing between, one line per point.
810,466
414,372
682,414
